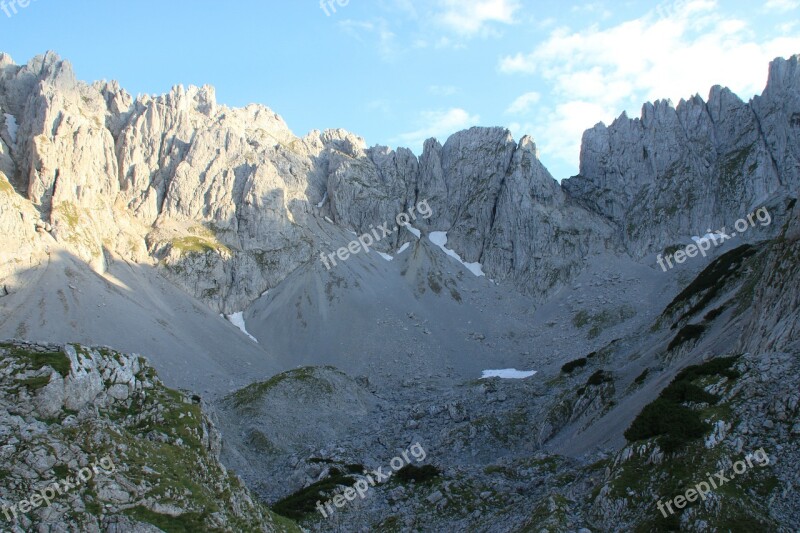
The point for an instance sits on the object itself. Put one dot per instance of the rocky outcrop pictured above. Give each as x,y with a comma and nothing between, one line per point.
126,453
679,170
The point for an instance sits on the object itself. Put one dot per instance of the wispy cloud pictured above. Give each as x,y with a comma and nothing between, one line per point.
439,124
437,24
473,17
675,51
373,31
524,103
781,6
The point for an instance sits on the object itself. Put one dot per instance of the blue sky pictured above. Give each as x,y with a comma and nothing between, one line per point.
399,71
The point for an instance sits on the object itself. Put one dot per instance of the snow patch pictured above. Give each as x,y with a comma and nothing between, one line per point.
324,197
417,233
508,373
237,319
329,220
385,256
12,127
403,248
439,238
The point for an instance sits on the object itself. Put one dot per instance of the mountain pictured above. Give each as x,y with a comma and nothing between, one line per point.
653,295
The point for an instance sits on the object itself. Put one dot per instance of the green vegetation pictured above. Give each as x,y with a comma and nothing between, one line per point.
245,397
185,523
455,294
303,502
69,213
200,245
157,440
688,333
714,313
61,470
58,361
5,185
572,365
599,377
732,171
200,240
602,320
682,391
418,474
710,281
580,319
35,383
721,366
434,284
258,441
668,419
674,424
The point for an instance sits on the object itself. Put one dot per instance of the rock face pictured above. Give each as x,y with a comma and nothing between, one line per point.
678,171
122,448
226,199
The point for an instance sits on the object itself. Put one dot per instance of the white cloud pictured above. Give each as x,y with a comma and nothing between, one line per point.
472,17
439,124
675,51
377,29
524,103
438,24
781,5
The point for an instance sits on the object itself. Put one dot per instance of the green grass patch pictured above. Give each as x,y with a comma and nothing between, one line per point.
689,332
668,419
247,396
714,313
197,245
599,377
418,474
58,361
434,284
684,391
580,319
186,523
721,366
5,185
710,282
567,368
672,423
304,502
35,383
602,320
